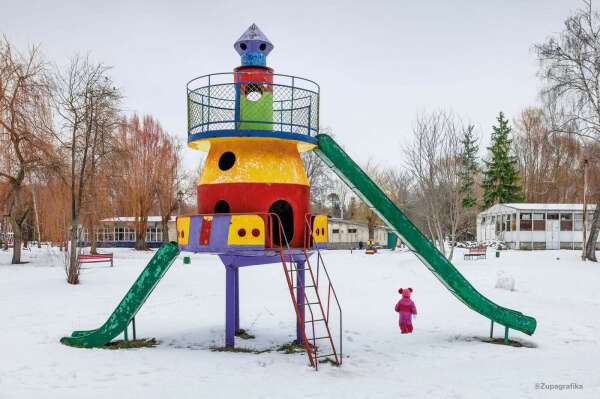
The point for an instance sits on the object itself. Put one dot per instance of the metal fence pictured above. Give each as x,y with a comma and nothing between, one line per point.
235,101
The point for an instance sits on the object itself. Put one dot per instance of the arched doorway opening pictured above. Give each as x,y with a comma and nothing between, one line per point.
286,214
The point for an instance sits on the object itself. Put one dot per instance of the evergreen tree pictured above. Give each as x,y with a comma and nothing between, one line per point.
501,179
468,167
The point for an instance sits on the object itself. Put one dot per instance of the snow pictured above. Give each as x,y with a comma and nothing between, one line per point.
445,357
505,283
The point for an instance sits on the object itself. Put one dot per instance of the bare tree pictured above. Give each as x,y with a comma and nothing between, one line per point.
140,167
25,94
87,103
432,160
319,178
570,68
374,171
169,181
547,160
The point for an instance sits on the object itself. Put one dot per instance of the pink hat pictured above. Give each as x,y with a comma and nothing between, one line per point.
405,292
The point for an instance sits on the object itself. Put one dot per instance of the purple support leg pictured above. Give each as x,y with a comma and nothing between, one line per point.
230,305
237,299
300,300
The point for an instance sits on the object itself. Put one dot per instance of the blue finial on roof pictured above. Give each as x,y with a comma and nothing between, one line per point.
253,46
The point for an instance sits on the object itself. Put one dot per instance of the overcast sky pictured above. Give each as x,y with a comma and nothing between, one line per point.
379,63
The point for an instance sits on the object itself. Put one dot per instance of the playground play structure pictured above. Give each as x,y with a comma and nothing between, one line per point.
253,205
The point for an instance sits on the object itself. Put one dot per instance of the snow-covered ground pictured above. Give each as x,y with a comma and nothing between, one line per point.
444,357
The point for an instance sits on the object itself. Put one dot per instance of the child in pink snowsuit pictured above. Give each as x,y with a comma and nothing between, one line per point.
406,307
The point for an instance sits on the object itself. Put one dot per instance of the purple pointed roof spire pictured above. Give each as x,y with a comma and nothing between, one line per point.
253,46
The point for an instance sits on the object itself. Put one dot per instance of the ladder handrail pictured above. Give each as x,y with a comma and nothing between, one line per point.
320,262
313,361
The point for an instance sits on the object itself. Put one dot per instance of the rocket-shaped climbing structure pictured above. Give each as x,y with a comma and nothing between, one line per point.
253,193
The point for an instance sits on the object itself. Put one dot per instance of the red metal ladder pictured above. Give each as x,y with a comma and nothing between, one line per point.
305,296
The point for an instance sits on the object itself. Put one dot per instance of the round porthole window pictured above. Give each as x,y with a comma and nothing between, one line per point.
226,161
263,47
253,92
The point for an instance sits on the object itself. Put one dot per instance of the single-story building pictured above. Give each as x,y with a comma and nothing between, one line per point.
346,234
535,226
120,232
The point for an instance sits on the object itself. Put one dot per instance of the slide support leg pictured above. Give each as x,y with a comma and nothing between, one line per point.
492,330
505,335
133,325
300,300
230,305
237,299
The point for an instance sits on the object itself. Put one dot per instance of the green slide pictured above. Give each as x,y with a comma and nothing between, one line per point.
131,303
380,204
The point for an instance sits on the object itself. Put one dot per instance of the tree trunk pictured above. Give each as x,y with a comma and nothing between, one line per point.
16,223
140,242
93,240
73,273
371,226
37,220
140,235
590,252
165,228
452,246
17,238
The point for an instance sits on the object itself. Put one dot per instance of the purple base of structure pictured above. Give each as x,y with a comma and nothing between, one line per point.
232,290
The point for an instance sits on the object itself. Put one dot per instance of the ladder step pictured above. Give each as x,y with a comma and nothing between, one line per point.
331,354
314,339
313,321
305,286
295,270
311,303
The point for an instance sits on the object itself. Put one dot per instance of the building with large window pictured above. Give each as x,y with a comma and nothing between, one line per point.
120,232
535,226
346,234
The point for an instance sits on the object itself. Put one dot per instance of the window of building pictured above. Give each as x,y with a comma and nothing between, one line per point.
513,221
119,233
335,231
553,216
525,224
578,222
154,234
108,234
507,223
351,231
566,222
129,234
539,224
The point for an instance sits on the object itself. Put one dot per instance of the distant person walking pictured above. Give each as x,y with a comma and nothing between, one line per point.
406,307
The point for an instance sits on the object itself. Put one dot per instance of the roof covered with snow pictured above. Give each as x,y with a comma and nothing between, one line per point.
538,207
